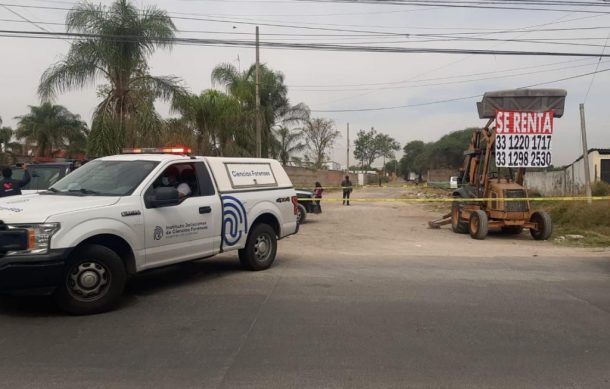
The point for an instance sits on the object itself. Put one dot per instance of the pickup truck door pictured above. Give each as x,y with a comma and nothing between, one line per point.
189,230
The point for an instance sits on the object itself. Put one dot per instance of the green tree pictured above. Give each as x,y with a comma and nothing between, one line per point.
370,145
409,161
365,148
288,143
387,147
448,151
393,166
7,146
320,136
275,106
52,128
126,114
216,119
178,132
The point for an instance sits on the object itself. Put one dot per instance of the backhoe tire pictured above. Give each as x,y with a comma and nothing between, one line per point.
260,249
458,226
545,226
478,225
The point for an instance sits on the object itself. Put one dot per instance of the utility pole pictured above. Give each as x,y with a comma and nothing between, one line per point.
348,148
585,153
259,141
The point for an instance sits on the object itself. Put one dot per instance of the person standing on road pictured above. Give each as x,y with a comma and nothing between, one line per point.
317,194
347,189
10,187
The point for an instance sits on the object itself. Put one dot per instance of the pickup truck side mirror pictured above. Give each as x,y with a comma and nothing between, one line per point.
164,197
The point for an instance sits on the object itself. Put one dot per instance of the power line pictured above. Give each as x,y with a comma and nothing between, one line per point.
378,34
556,21
448,83
396,107
598,63
441,78
472,5
24,18
306,46
350,37
193,17
449,100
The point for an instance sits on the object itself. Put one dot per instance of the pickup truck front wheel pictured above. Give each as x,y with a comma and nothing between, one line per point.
93,281
260,249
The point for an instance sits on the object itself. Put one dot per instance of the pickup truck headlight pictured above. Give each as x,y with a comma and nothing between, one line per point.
39,237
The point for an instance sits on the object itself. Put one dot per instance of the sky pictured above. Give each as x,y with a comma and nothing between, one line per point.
330,81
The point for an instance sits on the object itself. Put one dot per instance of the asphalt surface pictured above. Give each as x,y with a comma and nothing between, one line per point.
352,302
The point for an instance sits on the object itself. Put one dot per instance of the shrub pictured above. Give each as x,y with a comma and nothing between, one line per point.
600,188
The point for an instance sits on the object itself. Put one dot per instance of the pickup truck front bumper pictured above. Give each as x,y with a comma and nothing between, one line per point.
32,273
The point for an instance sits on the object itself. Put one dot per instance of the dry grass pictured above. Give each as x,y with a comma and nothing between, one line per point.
579,218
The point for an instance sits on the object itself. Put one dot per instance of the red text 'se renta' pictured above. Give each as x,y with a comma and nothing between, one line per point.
511,122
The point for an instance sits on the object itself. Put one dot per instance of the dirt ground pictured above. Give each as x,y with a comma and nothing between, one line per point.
384,226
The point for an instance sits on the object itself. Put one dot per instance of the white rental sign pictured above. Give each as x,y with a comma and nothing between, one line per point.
250,174
523,139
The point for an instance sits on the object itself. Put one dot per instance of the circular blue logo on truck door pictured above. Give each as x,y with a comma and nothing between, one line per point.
235,220
158,233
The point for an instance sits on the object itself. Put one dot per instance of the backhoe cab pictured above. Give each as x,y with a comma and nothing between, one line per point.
492,196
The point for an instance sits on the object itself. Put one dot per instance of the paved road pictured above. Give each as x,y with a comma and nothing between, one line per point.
353,301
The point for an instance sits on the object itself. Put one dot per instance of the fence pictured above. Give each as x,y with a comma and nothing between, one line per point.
306,178
570,180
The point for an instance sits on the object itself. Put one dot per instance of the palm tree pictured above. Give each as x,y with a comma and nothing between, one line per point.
288,143
178,132
6,135
118,41
216,118
51,128
275,106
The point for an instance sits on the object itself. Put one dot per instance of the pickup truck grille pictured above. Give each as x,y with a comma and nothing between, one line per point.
515,206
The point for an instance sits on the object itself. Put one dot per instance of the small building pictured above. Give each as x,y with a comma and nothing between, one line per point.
570,179
331,165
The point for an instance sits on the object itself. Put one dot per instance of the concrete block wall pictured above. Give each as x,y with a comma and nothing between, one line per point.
549,183
305,178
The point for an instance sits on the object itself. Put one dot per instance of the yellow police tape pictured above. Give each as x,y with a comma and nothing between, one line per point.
412,186
457,199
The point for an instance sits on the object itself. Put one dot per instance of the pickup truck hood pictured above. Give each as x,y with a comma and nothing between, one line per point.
38,208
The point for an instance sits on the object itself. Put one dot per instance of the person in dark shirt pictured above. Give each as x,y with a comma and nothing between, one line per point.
11,187
347,189
317,194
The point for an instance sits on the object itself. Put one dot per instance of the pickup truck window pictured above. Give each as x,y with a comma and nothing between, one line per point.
205,181
105,178
180,174
42,176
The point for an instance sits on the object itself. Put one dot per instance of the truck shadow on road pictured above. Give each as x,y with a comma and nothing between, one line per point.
181,275
149,283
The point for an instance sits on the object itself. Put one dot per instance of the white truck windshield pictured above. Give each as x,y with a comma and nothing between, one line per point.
105,178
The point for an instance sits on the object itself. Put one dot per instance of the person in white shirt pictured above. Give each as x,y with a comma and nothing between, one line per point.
171,175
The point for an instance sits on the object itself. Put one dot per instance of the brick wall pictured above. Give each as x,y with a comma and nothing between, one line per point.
306,178
439,175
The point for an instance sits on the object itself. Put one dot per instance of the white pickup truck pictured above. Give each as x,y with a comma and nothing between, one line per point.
120,215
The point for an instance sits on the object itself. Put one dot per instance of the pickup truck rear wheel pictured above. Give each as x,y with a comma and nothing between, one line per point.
93,281
302,214
260,249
